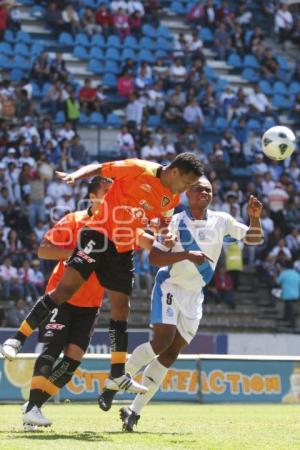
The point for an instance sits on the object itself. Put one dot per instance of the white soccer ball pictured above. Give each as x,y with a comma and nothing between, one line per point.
278,143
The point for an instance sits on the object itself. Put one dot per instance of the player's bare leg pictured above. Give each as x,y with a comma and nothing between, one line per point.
118,379
71,281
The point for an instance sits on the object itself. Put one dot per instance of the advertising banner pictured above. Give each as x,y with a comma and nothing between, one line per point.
195,378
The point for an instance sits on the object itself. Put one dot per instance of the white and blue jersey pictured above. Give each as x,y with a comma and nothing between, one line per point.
177,295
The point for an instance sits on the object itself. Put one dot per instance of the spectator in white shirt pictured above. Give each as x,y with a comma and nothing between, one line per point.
283,23
281,247
266,222
259,167
40,229
118,4
151,151
267,183
276,199
258,100
29,130
26,276
26,158
65,204
125,142
192,113
17,313
11,157
57,188
66,132
178,72
9,280
134,111
166,149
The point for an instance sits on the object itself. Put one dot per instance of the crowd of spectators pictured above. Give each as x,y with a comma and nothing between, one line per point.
177,91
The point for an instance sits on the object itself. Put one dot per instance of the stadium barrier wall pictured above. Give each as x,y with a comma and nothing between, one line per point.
193,378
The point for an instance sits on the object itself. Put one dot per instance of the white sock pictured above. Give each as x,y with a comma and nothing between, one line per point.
152,378
141,356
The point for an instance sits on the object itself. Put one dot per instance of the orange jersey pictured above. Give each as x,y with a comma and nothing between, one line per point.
64,234
136,196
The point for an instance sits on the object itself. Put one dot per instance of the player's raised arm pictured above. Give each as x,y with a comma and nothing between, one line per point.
88,171
255,234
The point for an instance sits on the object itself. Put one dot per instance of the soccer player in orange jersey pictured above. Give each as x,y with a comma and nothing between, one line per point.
141,191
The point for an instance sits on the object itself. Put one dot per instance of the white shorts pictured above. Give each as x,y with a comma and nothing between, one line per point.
173,305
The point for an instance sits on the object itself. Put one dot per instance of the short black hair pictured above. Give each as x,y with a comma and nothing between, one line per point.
95,184
187,163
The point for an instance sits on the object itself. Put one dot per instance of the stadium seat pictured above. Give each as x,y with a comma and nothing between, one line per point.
280,101
266,87
36,49
130,42
163,44
81,52
113,120
109,80
96,119
36,91
221,124
178,8
206,36
253,125
82,39
294,88
23,37
113,54
154,121
96,53
46,87
5,62
147,43
280,88
164,32
111,67
149,30
98,41
6,49
21,49
283,62
95,66
250,75
235,61
160,54
145,55
83,119
59,117
128,53
251,62
9,36
65,39
210,73
19,62
268,123
37,11
114,41
16,75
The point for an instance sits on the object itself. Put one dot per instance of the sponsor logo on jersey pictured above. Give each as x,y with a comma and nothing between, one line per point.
54,326
49,334
146,187
169,312
146,205
165,201
83,255
138,213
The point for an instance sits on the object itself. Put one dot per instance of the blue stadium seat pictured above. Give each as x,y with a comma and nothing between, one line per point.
5,62
36,91
147,43
250,75
109,80
149,30
268,123
128,53
235,61
36,49
19,62
98,40
221,124
9,36
160,54
21,49
46,87
83,119
163,44
23,37
294,88
60,117
111,67
178,8
96,119
266,87
253,125
96,53
248,36
16,75
164,32
153,121
114,41
6,49
95,66
113,54
82,39
145,55
280,101
81,52
113,120
206,36
130,42
280,88
210,73
37,11
283,62
66,39
251,62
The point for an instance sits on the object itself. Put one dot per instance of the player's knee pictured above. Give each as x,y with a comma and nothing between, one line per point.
161,344
63,293
168,357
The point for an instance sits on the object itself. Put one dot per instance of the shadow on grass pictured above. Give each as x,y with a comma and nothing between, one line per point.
87,436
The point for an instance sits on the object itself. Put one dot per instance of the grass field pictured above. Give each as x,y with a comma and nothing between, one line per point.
162,426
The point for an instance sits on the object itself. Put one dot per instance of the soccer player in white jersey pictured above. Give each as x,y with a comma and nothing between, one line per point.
177,297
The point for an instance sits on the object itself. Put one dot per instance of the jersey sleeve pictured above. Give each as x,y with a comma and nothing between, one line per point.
63,234
121,169
235,229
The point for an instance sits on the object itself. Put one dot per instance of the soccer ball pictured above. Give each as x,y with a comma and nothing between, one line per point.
278,143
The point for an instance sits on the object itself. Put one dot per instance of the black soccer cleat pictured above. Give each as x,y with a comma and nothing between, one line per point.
129,419
105,399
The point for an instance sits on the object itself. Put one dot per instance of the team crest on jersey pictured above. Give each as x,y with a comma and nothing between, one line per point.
138,213
146,187
169,312
165,201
